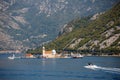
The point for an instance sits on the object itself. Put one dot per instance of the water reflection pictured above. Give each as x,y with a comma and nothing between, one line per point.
48,62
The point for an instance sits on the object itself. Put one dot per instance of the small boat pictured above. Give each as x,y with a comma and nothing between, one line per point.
91,66
77,56
11,57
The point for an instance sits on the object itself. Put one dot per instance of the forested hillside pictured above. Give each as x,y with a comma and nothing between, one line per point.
101,32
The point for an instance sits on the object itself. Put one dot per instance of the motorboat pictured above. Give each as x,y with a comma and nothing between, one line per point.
77,56
91,66
11,57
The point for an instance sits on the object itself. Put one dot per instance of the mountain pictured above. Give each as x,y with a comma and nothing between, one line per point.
27,24
101,32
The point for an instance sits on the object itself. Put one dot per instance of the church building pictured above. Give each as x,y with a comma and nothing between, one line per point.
49,54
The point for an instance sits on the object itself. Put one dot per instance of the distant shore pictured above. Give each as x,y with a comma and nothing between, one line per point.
116,55
103,55
9,51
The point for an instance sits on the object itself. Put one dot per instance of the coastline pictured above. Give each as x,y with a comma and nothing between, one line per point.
84,54
104,55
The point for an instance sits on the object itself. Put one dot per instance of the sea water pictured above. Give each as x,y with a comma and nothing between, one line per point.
59,69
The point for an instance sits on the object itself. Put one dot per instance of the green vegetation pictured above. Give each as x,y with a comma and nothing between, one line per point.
35,51
90,30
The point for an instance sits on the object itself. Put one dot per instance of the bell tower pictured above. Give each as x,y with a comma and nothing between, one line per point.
43,51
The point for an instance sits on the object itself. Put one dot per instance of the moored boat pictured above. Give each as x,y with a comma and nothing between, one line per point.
11,57
77,56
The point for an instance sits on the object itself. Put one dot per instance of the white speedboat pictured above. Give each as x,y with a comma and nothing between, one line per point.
11,57
91,66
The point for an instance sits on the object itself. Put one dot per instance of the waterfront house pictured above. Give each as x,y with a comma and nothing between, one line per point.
29,55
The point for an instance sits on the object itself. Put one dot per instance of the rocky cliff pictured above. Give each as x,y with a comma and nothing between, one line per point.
27,24
98,32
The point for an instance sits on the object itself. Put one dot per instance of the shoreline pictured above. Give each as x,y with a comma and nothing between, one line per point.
103,55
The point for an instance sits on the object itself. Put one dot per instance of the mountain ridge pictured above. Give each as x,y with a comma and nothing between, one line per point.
99,34
29,23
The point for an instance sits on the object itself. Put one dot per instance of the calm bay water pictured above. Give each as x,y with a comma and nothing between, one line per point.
59,69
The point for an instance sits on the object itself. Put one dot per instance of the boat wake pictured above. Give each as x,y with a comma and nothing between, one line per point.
106,69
